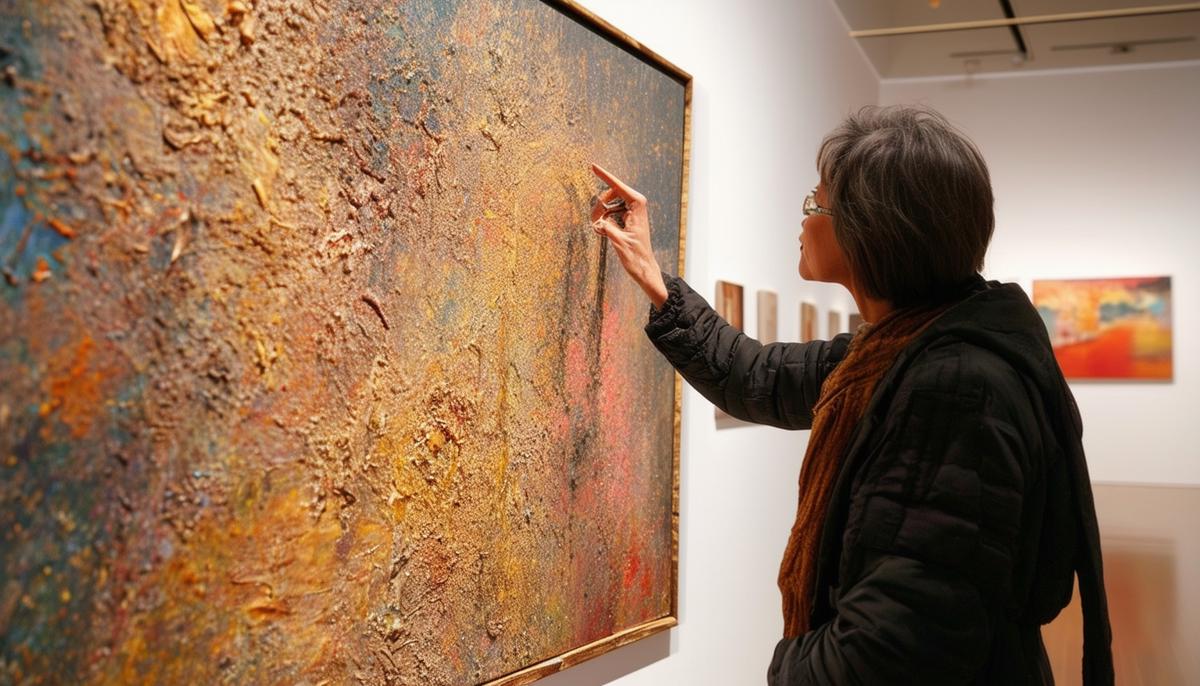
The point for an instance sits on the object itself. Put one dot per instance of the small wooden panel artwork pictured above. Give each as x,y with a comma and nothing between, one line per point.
808,322
856,321
768,317
834,323
728,303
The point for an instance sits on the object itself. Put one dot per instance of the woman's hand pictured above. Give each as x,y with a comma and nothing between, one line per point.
631,241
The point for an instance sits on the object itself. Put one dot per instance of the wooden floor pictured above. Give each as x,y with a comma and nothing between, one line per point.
1151,541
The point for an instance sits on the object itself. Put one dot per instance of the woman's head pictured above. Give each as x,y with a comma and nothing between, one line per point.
911,202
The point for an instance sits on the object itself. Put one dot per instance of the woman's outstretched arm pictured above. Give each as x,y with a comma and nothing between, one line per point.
775,384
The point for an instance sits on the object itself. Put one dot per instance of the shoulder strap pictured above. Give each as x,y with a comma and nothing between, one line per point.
1089,566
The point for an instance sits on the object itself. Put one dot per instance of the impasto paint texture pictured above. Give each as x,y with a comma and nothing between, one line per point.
1109,328
312,370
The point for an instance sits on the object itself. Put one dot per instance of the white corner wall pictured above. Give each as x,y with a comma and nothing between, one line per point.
771,78
1097,174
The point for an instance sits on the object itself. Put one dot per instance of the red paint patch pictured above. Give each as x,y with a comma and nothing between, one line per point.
633,564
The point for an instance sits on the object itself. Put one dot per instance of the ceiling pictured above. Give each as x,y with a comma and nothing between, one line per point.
1089,43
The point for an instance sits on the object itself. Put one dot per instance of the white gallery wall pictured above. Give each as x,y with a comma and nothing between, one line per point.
1097,174
771,78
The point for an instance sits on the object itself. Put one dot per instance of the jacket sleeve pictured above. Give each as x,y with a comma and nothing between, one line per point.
775,384
929,545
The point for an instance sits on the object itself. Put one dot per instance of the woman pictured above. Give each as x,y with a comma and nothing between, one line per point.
945,504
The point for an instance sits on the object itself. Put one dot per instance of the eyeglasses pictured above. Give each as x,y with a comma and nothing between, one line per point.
811,207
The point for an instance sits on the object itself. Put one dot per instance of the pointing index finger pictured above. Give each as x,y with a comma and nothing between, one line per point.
616,184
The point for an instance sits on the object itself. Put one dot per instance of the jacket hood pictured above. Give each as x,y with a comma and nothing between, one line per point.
1000,318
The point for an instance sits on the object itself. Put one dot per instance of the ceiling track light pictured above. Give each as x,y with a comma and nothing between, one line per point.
1151,10
984,53
1122,47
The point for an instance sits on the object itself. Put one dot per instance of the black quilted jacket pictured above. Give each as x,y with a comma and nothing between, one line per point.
963,508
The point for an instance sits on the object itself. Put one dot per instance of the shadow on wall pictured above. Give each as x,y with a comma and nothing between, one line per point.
613,665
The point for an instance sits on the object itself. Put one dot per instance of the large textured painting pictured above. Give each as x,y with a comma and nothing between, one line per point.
1109,328
312,370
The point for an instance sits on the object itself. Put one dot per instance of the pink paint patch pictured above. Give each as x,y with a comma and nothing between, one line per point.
618,405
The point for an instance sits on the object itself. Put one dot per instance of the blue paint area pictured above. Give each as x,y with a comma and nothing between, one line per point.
1158,308
42,240
1112,312
27,69
433,123
400,90
385,95
444,9
61,526
13,218
380,156
1049,318
406,98
19,253
14,38
429,24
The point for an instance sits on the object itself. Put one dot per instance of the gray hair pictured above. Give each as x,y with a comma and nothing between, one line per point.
911,200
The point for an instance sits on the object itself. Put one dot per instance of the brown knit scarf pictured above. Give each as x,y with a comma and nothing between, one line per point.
842,403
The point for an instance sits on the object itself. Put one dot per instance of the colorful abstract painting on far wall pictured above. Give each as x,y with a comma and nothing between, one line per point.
312,370
1109,328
